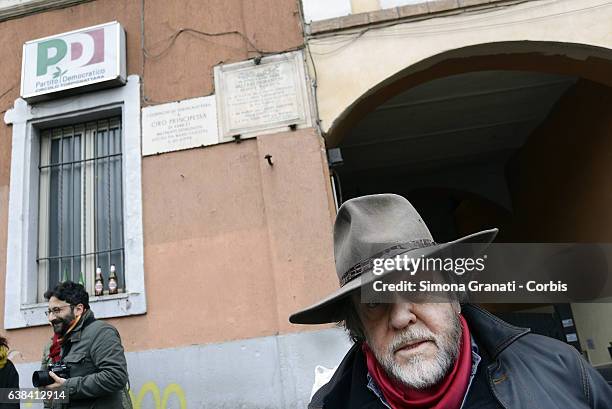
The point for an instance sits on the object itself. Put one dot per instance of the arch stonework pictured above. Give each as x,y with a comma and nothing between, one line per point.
357,71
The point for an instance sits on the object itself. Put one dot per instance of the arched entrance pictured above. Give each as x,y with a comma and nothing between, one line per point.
502,135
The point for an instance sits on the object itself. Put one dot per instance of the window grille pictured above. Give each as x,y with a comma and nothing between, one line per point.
81,201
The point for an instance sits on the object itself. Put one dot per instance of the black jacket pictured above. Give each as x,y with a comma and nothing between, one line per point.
9,378
518,370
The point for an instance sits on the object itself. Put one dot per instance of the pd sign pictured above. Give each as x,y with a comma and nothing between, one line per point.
81,59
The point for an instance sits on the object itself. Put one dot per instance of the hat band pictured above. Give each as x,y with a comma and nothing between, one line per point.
368,263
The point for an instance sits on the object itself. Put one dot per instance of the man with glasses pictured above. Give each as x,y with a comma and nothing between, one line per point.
90,348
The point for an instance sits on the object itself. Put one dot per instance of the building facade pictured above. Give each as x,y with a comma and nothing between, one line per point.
197,166
482,113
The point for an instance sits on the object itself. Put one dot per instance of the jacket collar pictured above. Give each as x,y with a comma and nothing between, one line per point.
86,319
348,387
491,333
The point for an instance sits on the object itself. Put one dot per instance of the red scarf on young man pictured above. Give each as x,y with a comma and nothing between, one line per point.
448,394
55,350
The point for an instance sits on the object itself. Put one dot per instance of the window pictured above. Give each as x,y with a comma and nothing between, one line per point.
75,201
80,218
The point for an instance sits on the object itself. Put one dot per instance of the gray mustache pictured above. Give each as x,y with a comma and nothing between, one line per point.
411,335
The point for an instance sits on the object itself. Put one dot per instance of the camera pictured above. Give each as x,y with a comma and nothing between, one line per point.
43,378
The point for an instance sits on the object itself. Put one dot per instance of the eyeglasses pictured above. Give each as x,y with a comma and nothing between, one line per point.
56,310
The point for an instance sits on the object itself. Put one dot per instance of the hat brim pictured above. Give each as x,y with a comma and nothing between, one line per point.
327,310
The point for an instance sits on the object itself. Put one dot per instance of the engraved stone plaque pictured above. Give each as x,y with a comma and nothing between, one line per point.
255,98
179,125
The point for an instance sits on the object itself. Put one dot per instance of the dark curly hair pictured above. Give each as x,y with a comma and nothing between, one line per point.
70,292
351,321
3,342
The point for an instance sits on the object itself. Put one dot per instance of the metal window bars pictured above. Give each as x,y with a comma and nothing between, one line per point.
81,202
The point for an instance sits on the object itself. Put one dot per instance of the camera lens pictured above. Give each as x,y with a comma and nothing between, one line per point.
41,378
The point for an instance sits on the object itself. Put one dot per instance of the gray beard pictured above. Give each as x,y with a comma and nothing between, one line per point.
419,372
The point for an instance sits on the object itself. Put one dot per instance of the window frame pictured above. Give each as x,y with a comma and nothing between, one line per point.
21,280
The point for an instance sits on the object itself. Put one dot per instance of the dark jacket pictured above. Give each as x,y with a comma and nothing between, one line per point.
9,378
518,370
98,369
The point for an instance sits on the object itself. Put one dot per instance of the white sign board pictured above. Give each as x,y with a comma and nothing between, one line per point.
268,96
92,57
179,125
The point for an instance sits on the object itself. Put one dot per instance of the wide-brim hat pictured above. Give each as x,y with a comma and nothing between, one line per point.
373,227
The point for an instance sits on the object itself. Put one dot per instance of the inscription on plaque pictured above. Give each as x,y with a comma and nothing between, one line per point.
179,125
260,97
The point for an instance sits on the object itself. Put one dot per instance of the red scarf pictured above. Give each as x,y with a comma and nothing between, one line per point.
56,349
448,394
56,345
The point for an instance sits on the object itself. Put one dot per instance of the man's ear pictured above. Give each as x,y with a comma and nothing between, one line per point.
79,309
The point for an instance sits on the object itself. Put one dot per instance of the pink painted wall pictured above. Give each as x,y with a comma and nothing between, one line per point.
232,245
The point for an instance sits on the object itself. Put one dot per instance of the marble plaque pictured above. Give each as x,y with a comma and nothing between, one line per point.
179,125
261,98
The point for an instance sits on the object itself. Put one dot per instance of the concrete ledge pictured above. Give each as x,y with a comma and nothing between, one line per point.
468,3
442,5
15,9
410,11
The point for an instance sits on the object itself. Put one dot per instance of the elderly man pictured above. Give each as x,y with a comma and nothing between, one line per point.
441,355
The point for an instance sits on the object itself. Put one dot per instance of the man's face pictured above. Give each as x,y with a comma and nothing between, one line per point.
416,344
61,315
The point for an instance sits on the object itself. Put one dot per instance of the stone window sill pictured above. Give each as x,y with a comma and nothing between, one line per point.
106,306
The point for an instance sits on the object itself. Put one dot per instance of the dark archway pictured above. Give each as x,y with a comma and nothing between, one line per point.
570,59
509,135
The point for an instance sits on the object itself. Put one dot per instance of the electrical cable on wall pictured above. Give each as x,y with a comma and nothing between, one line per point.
171,40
